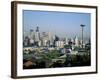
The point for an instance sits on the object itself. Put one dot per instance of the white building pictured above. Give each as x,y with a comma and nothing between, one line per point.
39,43
72,40
60,44
66,40
50,38
31,41
76,41
45,42
32,34
37,35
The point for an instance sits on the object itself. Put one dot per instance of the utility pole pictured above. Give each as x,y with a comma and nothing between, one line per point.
82,26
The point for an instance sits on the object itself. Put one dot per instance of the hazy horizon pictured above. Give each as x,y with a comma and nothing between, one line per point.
58,23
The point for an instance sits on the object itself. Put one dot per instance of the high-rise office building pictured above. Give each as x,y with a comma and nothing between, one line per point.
37,35
76,41
26,41
66,40
47,39
31,41
39,43
59,44
32,34
31,37
50,39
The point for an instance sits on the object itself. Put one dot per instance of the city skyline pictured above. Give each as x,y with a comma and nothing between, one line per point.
58,23
56,39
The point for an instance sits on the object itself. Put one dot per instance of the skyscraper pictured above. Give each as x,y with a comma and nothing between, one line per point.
50,39
37,35
76,41
31,34
66,40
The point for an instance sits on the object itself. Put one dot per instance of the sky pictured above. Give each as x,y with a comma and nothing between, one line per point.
58,23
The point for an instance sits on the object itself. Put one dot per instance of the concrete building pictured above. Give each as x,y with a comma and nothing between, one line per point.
39,43
59,44
66,41
32,34
37,35
76,41
26,41
31,41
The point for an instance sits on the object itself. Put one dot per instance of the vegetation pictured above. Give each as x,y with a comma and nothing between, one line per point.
50,55
46,60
